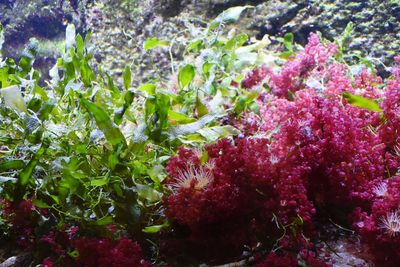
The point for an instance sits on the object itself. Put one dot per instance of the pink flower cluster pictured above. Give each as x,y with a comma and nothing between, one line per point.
103,252
23,218
90,251
255,77
55,245
311,149
239,189
378,220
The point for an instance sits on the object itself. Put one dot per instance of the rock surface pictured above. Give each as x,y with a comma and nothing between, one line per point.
120,34
121,26
44,20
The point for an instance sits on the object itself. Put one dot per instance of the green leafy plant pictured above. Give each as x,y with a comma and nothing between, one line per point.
91,152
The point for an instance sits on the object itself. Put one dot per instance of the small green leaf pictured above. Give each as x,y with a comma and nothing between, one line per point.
13,98
79,45
26,174
230,15
288,41
194,45
153,43
105,220
40,204
46,109
128,99
111,131
366,62
201,108
207,67
286,55
216,132
155,228
148,88
186,75
237,41
74,254
99,182
177,117
70,36
254,107
127,77
11,165
362,102
191,128
204,157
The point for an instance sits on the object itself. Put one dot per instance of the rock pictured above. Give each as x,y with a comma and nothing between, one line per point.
121,27
21,260
44,20
374,23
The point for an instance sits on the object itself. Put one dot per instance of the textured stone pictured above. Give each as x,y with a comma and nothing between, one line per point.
121,27
375,28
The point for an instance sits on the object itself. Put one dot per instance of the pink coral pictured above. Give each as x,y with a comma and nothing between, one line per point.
105,252
292,76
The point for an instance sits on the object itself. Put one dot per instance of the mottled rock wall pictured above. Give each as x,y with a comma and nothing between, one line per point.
121,26
375,22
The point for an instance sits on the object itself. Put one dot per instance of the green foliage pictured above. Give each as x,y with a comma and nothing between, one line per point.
287,41
93,152
230,15
153,43
186,75
362,102
345,37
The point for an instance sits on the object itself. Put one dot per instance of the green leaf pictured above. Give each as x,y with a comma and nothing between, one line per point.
287,41
40,204
362,102
153,43
148,88
177,117
105,220
366,62
207,67
186,75
194,45
127,77
155,228
74,254
80,45
286,55
26,174
230,15
103,121
346,36
12,165
13,98
191,128
128,99
99,182
201,108
70,36
236,41
216,132
46,109
113,89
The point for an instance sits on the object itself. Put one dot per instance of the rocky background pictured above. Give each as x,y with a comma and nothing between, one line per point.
121,26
